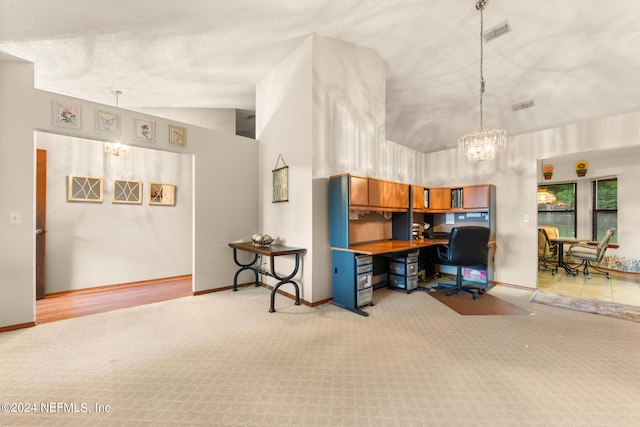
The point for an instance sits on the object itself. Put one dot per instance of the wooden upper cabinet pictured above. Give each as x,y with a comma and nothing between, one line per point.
388,195
418,197
358,191
401,199
475,197
440,198
376,192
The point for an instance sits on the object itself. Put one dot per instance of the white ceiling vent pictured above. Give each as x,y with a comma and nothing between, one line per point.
523,105
497,31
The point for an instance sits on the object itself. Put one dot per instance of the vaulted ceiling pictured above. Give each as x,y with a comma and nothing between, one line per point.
577,59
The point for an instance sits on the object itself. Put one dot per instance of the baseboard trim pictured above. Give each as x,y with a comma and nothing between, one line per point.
509,285
18,326
264,285
119,286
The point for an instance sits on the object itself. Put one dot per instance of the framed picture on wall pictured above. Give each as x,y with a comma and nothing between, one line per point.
177,136
162,194
107,123
144,129
67,115
127,192
85,189
280,182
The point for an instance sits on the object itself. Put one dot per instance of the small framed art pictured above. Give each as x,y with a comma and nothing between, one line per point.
280,182
107,123
144,130
162,194
67,115
127,192
85,189
177,135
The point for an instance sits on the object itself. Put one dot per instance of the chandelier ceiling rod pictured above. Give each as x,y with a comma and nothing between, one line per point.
481,145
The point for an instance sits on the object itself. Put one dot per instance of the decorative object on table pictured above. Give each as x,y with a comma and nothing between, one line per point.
115,148
545,198
67,115
144,130
547,171
127,192
162,194
261,240
177,136
483,144
280,181
581,167
85,189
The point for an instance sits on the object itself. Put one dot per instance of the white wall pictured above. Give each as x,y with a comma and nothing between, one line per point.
17,172
321,108
220,119
283,126
96,244
225,188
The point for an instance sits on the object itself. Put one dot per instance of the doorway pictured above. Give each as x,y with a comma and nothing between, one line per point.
96,243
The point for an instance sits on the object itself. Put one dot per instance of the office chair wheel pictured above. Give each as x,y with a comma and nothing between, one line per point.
474,296
447,293
481,291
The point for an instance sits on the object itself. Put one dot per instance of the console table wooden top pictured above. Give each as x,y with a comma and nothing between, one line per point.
271,250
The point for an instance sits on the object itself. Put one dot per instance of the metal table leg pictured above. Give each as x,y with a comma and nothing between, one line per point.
249,266
283,280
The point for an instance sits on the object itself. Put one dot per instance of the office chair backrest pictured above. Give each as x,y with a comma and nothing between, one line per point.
468,246
552,232
544,245
604,243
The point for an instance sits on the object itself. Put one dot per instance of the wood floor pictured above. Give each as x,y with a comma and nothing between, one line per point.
66,305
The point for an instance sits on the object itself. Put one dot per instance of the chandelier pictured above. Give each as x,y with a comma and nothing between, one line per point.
483,144
117,148
545,198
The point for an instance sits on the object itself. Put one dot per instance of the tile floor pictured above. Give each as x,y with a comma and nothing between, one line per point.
622,288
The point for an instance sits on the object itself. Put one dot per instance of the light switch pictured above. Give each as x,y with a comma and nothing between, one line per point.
526,218
16,217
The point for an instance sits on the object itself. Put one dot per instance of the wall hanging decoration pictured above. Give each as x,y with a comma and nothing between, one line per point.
67,115
581,167
177,136
144,130
280,182
547,171
85,189
162,194
127,192
107,123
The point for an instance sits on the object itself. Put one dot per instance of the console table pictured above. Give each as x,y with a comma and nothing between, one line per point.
272,251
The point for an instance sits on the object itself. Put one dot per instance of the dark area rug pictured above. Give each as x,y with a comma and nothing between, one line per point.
486,304
619,311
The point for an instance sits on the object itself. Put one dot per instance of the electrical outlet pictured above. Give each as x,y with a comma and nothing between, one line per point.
526,218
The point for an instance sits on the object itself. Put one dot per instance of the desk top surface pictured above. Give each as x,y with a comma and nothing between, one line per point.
390,246
271,250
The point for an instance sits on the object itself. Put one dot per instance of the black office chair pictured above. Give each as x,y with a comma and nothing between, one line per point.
468,247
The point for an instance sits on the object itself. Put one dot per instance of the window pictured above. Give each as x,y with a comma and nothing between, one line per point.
559,210
605,208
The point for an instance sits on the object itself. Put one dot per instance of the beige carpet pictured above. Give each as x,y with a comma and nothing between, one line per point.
223,359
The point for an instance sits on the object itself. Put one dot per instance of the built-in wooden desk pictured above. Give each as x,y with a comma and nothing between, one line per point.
272,251
391,246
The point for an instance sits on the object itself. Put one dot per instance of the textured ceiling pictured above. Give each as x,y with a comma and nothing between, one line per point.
578,59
